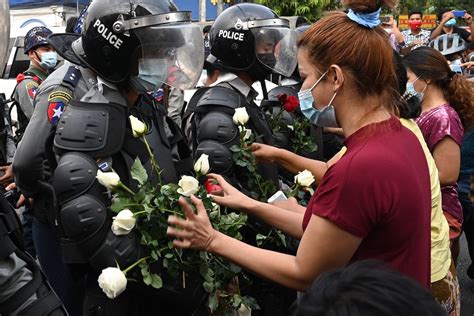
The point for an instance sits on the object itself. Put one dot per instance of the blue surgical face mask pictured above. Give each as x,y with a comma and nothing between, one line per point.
49,60
450,23
306,102
326,117
411,90
152,73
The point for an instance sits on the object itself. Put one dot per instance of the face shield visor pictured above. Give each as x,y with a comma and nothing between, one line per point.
171,50
275,47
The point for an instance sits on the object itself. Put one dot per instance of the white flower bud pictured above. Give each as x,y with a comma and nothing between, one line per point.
248,133
304,178
112,281
108,179
123,223
138,127
241,116
202,165
188,186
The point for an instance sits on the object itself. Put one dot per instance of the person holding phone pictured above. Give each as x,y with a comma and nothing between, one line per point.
415,36
447,24
389,24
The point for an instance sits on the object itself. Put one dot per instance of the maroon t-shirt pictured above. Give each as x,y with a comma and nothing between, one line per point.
380,191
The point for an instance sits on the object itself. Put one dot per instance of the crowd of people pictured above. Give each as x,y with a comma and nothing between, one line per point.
390,116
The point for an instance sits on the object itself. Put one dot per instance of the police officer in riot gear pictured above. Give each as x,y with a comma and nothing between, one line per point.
126,49
250,41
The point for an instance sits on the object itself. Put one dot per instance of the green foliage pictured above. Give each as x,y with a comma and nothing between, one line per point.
302,141
151,205
312,10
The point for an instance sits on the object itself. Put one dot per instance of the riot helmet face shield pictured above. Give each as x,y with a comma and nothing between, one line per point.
275,48
117,33
171,54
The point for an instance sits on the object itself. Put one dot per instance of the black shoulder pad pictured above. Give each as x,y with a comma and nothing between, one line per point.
94,128
215,97
221,96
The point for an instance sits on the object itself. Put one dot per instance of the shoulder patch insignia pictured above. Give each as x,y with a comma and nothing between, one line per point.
57,102
31,88
55,109
59,95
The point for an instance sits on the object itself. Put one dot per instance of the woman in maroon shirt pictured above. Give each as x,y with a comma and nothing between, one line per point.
447,105
375,202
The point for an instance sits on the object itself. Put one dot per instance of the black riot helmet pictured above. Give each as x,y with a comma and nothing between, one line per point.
146,38
252,38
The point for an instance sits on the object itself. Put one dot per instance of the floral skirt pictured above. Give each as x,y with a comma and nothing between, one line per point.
446,292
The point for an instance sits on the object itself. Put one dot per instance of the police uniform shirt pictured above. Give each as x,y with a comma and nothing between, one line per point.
26,90
28,164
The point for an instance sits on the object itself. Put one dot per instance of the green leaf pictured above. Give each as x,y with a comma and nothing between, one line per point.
213,302
156,282
208,286
250,302
282,237
241,163
236,300
147,279
260,239
235,149
138,172
235,269
119,204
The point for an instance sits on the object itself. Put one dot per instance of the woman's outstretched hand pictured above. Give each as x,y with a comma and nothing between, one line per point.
230,196
196,230
264,153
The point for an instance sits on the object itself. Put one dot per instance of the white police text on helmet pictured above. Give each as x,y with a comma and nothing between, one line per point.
236,36
107,34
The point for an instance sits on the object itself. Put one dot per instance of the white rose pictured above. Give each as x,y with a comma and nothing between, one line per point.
240,116
248,133
112,281
108,179
304,178
123,223
138,127
202,165
188,186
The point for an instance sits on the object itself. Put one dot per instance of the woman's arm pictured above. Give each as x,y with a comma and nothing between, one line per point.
288,160
447,156
324,246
